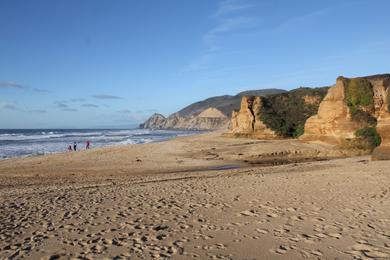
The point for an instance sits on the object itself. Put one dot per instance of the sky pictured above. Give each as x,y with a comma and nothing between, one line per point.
106,64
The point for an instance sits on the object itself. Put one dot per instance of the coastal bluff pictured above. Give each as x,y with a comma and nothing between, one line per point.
247,121
354,113
276,116
213,113
209,119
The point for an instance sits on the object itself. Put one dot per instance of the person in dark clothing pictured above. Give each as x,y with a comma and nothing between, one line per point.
87,144
69,148
74,146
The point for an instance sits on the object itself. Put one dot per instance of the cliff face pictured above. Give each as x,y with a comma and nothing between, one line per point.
210,114
279,115
226,104
333,121
156,121
354,109
382,95
247,121
209,119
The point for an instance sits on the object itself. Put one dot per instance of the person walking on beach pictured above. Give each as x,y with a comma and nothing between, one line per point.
70,148
87,144
74,146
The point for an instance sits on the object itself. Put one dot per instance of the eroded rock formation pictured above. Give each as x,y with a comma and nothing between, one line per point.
156,121
333,122
279,115
209,114
247,122
351,107
382,97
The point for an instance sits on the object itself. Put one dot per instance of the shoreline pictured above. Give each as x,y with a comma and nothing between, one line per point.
108,145
191,152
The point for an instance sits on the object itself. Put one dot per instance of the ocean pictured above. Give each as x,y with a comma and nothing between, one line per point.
30,142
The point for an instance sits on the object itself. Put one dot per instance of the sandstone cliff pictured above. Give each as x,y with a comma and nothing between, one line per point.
352,113
382,104
247,122
333,121
279,115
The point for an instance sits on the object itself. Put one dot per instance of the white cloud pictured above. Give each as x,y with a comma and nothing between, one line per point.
14,85
89,105
40,90
39,111
10,84
125,111
69,109
104,96
78,99
61,104
229,6
8,106
228,19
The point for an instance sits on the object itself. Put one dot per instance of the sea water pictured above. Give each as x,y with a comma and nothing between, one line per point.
29,142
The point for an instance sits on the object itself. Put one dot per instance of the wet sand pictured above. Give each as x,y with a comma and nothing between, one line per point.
198,197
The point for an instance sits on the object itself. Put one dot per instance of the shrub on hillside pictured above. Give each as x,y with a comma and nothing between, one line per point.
287,113
359,97
367,138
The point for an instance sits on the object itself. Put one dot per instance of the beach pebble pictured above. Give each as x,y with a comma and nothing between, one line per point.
376,254
281,251
335,235
362,247
247,213
316,252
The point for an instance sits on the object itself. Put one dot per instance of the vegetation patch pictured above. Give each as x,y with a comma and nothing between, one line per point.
359,93
286,113
367,138
359,97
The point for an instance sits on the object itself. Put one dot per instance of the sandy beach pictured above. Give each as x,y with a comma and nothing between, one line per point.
207,196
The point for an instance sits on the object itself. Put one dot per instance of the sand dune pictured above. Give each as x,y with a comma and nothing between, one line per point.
199,197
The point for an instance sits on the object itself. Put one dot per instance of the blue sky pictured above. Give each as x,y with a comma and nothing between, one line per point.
103,63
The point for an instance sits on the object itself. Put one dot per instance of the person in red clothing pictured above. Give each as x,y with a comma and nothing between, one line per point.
87,144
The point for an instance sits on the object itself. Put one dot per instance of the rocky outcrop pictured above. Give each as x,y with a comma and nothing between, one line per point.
311,100
382,97
156,121
351,107
354,113
247,122
279,115
333,122
209,119
198,122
